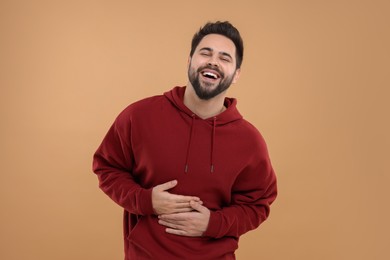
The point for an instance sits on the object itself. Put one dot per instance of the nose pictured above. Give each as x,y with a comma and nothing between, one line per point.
213,62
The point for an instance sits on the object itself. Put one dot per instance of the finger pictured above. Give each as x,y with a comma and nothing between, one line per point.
166,186
175,225
182,198
176,217
182,210
177,232
197,206
184,205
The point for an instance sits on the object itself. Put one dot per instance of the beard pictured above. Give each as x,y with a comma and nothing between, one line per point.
207,91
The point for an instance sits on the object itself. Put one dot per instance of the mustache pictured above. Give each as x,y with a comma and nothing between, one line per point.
211,68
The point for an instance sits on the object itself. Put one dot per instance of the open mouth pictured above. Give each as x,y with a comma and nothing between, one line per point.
210,74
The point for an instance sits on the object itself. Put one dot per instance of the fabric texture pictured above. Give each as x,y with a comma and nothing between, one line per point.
223,160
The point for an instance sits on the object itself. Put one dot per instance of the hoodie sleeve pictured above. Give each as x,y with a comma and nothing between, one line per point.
113,162
252,194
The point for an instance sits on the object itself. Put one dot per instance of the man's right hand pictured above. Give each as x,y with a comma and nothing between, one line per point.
167,203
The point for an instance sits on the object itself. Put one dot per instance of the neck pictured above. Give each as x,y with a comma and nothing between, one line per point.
203,108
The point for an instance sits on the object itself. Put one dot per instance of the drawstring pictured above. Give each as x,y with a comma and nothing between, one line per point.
189,142
212,146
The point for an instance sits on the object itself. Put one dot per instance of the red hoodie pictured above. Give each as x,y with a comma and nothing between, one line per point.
223,160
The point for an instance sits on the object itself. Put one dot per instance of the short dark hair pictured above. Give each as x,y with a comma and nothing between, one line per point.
223,28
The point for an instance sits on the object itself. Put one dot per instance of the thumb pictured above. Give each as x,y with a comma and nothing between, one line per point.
166,186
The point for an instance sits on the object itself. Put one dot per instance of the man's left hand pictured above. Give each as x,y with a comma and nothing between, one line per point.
191,224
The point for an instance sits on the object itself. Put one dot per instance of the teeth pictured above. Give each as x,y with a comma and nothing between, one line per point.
210,74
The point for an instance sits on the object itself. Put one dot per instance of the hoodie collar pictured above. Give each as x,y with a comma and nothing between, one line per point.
231,114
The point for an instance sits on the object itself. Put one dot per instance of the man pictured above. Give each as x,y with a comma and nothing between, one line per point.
191,174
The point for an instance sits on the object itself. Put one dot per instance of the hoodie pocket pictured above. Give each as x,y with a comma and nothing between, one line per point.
138,247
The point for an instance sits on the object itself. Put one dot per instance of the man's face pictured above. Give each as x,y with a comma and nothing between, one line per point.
212,67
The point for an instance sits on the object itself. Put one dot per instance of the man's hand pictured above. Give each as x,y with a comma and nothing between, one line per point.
191,224
167,203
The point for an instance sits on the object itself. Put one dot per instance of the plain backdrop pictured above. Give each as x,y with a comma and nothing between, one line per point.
315,82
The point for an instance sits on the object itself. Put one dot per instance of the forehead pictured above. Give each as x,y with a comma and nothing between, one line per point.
217,43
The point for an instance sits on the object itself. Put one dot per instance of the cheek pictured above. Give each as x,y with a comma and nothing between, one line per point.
191,68
236,76
192,64
230,73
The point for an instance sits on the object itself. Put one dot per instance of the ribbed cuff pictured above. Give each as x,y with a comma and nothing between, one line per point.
145,202
214,227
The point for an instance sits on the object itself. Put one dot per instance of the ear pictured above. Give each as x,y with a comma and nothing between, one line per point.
236,75
188,61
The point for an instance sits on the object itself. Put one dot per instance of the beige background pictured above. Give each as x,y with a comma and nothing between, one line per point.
315,81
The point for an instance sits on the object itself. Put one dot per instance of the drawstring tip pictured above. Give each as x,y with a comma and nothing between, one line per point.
186,168
212,168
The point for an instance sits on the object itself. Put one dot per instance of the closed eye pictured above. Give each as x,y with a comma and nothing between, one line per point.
205,51
226,56
207,54
226,59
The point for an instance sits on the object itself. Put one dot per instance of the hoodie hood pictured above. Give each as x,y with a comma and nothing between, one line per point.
231,114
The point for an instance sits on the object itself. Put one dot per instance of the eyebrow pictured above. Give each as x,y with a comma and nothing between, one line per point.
222,52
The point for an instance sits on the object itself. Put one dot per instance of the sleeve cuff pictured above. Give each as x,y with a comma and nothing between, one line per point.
214,227
145,202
